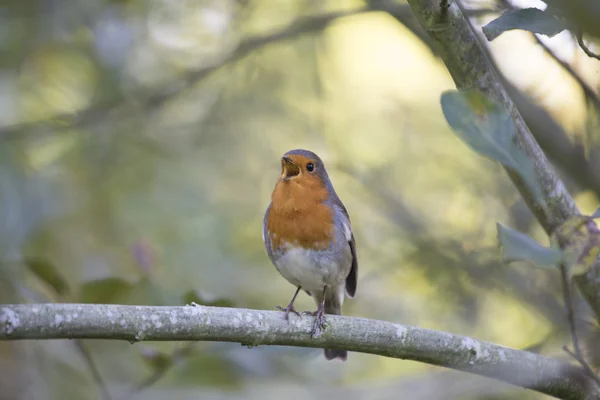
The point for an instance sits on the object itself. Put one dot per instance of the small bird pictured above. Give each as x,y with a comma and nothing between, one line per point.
308,237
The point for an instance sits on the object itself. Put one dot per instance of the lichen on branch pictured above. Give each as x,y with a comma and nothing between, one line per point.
258,328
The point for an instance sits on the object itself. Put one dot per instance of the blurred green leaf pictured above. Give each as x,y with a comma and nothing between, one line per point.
47,272
105,291
155,359
193,296
487,128
117,290
212,369
528,19
148,293
517,246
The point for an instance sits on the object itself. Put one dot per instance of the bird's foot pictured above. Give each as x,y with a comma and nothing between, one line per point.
319,324
287,310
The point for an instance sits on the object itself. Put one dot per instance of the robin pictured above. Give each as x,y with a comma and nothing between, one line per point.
308,236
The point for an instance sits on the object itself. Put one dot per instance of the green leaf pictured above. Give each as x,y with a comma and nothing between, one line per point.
211,369
47,272
528,19
517,246
205,299
488,129
104,291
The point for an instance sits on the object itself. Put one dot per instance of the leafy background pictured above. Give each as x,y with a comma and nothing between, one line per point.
140,142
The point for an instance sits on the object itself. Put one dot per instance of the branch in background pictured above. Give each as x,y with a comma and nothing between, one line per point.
151,99
589,92
550,135
403,14
470,67
568,299
160,372
507,4
583,46
85,353
253,328
556,142
45,272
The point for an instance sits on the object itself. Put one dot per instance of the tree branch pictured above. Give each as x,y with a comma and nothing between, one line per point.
151,99
159,373
253,328
550,135
556,142
590,93
568,299
87,357
583,46
470,67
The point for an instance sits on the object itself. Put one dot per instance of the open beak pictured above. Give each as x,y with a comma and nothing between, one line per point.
289,169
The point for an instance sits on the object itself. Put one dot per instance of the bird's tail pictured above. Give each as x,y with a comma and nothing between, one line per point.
333,306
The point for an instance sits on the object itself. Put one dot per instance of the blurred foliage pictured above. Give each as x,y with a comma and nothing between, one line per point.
47,273
138,154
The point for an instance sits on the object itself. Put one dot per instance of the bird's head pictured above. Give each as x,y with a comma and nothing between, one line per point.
303,177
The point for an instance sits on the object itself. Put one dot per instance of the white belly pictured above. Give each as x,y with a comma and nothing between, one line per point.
310,269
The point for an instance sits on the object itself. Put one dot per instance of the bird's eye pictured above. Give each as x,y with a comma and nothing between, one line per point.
310,167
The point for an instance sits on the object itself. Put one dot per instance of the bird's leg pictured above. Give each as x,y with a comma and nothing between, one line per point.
319,317
290,307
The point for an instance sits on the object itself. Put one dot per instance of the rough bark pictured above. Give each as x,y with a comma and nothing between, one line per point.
470,67
254,328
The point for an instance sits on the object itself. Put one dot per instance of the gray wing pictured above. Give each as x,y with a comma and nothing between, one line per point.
265,236
352,278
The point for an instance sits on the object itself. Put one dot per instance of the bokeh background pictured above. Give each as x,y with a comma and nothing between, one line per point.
140,143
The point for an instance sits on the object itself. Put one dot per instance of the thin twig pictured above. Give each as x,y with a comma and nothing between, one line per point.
93,369
587,89
579,34
584,47
553,139
589,92
584,364
84,352
569,307
161,372
578,355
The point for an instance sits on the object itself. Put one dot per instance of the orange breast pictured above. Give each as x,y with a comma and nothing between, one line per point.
298,216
